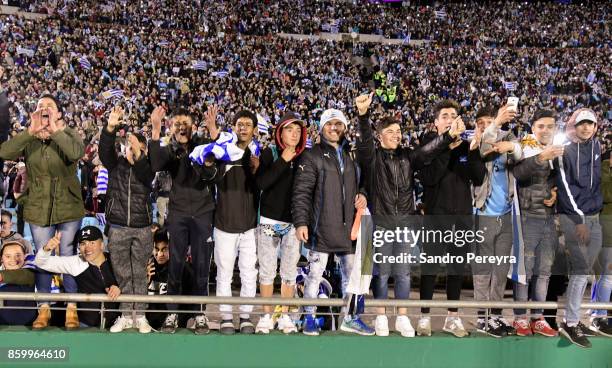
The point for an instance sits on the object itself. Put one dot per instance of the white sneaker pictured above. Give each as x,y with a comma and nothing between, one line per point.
143,325
265,324
424,326
121,323
453,325
381,326
286,325
404,327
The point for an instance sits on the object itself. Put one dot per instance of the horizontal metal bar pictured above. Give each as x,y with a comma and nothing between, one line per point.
184,299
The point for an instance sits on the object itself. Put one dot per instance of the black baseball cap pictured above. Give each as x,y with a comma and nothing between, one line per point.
88,233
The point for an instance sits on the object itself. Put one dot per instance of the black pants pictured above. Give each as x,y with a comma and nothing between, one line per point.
20,222
455,272
186,231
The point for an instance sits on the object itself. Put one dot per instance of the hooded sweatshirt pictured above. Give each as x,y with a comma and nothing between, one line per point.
579,179
275,177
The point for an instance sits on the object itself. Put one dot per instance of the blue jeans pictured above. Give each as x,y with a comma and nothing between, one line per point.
317,262
604,284
581,259
539,236
41,236
401,286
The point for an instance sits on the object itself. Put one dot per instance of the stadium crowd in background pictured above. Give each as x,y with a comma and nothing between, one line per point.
104,89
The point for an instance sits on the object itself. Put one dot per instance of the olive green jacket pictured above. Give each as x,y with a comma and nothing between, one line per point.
53,194
606,213
606,187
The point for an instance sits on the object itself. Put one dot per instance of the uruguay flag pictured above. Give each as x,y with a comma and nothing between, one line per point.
85,64
262,125
224,149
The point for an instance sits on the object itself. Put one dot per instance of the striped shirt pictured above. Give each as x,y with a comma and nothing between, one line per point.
102,181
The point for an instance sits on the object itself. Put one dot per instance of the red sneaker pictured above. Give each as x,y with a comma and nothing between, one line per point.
540,326
522,327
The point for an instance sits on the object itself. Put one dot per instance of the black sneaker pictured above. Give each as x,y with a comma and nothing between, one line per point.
574,335
227,327
586,331
510,331
170,324
246,326
201,325
492,328
601,326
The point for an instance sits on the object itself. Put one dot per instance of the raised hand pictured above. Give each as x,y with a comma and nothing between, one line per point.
150,270
504,115
457,127
36,123
114,118
54,243
211,121
475,143
54,118
157,116
363,103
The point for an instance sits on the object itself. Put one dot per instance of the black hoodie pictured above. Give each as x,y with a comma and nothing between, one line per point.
448,178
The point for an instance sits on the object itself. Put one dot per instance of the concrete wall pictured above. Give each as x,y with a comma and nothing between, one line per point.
13,10
347,37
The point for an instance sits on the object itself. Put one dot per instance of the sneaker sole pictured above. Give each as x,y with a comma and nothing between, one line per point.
599,332
489,334
263,331
447,330
544,334
310,333
382,334
409,334
351,330
567,336
424,333
168,332
525,334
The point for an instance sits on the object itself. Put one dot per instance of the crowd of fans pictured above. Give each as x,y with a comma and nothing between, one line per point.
119,67
270,74
502,23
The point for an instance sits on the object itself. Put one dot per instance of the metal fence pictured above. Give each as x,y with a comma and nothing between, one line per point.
290,302
185,299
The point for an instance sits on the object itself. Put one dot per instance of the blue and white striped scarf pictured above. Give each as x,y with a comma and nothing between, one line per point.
224,149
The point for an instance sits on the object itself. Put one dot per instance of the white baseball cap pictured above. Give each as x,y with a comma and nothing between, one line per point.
332,114
586,115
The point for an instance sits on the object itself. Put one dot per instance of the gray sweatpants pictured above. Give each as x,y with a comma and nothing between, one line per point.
130,250
490,278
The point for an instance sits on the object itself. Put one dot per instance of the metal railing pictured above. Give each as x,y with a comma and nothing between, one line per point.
187,299
104,301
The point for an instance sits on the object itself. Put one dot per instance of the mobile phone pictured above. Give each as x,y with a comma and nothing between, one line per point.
513,103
